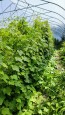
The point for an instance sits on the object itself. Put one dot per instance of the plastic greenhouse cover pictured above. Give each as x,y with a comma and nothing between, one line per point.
53,11
51,7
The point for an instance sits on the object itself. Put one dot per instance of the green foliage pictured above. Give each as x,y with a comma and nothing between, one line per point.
24,54
57,43
62,53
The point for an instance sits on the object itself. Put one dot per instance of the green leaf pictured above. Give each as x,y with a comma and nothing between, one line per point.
20,52
11,82
7,90
18,59
18,100
5,78
25,59
15,68
46,110
40,112
2,97
15,77
8,48
12,105
6,111
4,65
27,80
18,83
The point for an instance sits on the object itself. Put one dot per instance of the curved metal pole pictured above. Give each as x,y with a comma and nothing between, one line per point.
54,4
52,12
41,8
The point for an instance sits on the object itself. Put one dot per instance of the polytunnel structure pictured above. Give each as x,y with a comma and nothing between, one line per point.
32,57
53,11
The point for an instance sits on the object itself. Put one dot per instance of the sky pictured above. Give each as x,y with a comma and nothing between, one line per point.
27,12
